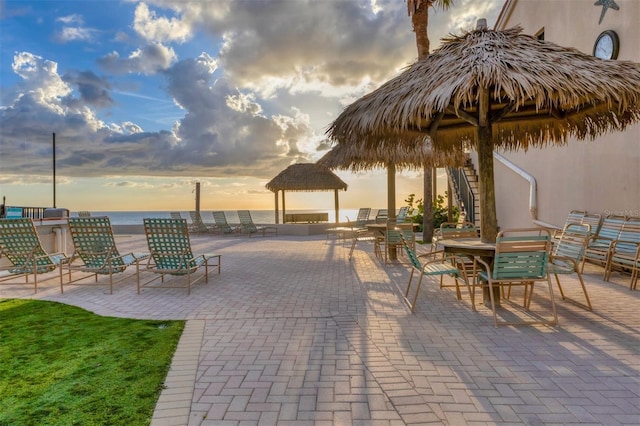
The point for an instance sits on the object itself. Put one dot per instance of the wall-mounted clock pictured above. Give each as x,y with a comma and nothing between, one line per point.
607,45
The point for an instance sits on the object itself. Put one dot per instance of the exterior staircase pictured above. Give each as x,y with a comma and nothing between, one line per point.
464,184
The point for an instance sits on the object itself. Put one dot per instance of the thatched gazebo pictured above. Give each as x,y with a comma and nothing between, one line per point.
492,89
306,177
357,158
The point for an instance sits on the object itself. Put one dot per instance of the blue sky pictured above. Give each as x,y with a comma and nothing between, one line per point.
147,98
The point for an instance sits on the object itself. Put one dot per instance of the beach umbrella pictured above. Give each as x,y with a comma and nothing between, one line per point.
489,89
358,157
306,177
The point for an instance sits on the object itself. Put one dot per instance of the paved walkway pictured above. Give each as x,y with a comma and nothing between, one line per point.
293,333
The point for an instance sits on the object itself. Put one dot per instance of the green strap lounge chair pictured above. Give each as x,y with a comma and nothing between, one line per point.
246,222
197,224
221,224
96,253
21,246
171,254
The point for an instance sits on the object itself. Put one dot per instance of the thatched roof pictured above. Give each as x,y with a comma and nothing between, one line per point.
358,157
539,93
306,177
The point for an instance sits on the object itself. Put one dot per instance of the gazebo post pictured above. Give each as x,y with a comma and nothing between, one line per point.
276,194
337,204
283,220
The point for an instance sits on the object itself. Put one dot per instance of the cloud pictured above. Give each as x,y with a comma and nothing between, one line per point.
159,29
73,29
93,89
150,59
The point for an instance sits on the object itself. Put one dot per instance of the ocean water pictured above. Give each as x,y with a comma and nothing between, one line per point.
258,216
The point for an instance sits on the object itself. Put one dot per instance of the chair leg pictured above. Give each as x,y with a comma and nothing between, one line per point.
415,297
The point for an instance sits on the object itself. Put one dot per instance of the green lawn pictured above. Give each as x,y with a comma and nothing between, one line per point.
62,365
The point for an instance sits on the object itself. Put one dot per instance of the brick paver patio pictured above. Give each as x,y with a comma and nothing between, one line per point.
293,333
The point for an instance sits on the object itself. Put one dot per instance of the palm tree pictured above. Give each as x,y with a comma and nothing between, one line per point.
419,13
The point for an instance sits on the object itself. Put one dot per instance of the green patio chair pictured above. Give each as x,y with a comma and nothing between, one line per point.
246,222
402,214
521,259
567,256
171,254
624,254
349,229
21,246
597,250
95,254
431,264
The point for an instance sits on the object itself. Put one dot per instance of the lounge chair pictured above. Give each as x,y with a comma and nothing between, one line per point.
624,253
349,229
95,253
197,224
175,215
521,259
431,264
221,224
171,254
84,213
597,251
246,222
567,256
20,245
402,214
382,216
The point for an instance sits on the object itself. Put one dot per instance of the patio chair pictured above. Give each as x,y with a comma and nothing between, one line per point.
574,216
246,222
597,250
84,213
402,214
624,253
197,224
431,264
171,254
350,228
395,236
453,231
365,235
382,216
95,253
521,259
221,224
567,256
21,246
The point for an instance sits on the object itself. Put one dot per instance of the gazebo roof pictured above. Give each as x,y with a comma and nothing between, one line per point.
306,177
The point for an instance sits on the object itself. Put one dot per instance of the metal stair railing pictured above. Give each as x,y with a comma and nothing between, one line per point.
464,192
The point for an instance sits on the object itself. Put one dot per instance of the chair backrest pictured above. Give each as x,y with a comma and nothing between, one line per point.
454,230
84,213
220,220
413,257
20,243
611,227
246,221
629,236
521,254
363,215
176,215
93,241
197,222
168,241
398,233
594,220
402,214
573,241
382,215
574,216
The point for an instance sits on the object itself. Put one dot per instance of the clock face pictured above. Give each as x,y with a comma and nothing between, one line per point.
606,46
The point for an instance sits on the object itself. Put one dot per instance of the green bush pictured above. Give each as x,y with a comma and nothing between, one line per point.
440,211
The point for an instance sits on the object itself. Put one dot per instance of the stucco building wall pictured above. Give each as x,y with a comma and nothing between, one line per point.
600,176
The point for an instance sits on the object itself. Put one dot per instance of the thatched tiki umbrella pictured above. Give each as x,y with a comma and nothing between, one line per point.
495,89
306,177
359,157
